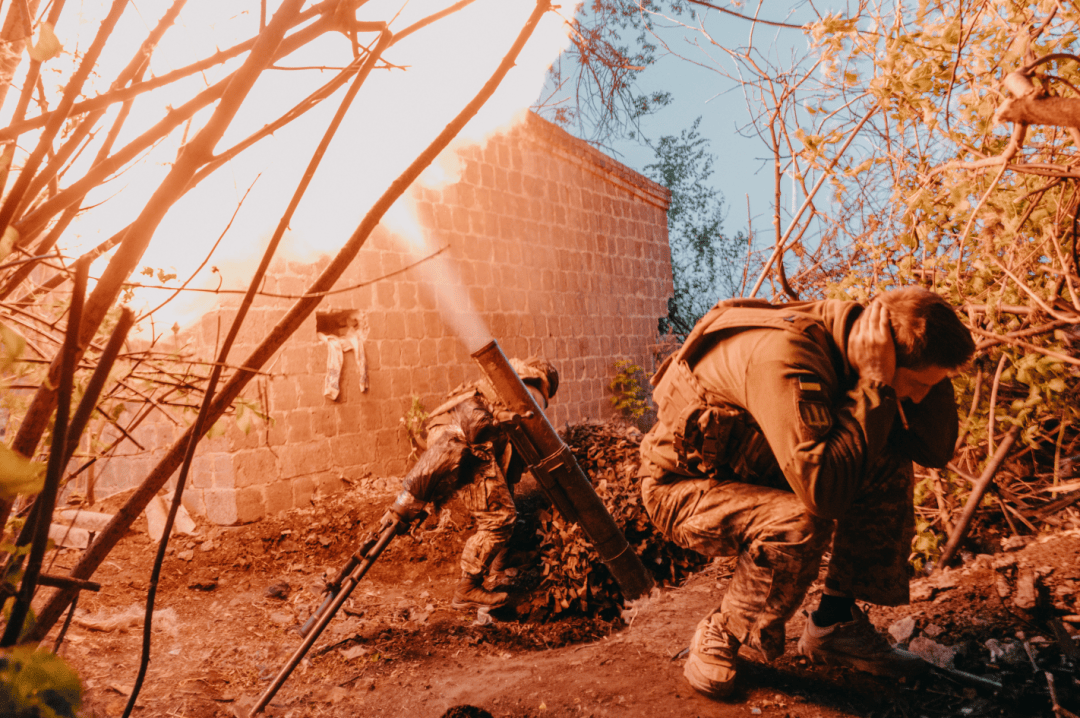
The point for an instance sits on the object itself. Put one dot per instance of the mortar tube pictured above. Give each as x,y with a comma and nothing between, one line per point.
558,473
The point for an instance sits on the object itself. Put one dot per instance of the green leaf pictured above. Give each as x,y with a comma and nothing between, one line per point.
35,681
7,242
19,475
47,46
13,345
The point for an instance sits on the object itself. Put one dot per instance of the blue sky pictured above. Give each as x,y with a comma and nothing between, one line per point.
741,171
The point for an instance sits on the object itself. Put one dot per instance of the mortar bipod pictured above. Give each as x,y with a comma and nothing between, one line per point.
328,609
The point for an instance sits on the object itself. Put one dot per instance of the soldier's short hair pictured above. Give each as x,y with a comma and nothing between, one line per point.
926,330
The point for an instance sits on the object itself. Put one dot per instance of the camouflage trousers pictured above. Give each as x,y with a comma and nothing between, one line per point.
779,544
490,501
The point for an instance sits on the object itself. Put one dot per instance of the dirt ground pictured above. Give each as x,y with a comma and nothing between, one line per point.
231,599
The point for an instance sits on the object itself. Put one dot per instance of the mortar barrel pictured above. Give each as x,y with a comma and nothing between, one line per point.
558,473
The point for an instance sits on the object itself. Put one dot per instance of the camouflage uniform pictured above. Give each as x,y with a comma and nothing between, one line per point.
468,456
768,444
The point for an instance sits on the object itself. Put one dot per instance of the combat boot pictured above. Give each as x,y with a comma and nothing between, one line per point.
470,593
710,667
858,644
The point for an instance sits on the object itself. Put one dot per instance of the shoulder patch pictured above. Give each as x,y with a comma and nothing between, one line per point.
815,418
815,415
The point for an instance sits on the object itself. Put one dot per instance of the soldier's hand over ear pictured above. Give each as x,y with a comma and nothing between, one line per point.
871,350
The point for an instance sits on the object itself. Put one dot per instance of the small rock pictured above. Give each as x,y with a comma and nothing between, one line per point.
1014,543
354,652
902,630
1003,562
1001,585
921,591
207,546
204,583
933,630
1027,590
933,652
280,618
982,561
279,590
1009,653
945,579
186,555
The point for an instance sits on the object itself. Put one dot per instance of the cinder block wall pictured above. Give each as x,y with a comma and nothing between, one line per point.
563,253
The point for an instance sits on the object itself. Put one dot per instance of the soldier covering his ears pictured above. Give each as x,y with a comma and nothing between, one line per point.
782,427
469,455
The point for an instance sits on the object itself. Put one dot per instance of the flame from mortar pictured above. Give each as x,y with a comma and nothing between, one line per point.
398,112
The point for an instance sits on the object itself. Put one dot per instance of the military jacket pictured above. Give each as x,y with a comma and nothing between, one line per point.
766,393
462,435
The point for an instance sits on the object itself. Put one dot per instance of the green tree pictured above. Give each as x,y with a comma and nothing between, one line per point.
592,88
705,264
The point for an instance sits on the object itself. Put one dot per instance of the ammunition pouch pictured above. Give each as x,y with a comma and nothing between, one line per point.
701,428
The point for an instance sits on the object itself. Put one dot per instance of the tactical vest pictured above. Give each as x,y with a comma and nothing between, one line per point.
709,432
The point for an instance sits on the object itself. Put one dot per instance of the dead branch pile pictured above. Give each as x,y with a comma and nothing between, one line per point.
573,579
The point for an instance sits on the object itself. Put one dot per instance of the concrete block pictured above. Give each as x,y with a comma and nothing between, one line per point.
376,327
157,512
487,176
447,348
283,394
254,467
298,426
201,475
87,520
303,489
463,195
69,536
385,295
302,459
389,354
414,325
408,295
242,438
279,496
223,471
250,505
324,421
470,173
311,390
327,484
192,500
444,221
395,326
428,352
349,450
410,353
460,219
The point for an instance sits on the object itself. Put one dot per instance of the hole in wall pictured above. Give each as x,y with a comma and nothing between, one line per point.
337,322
